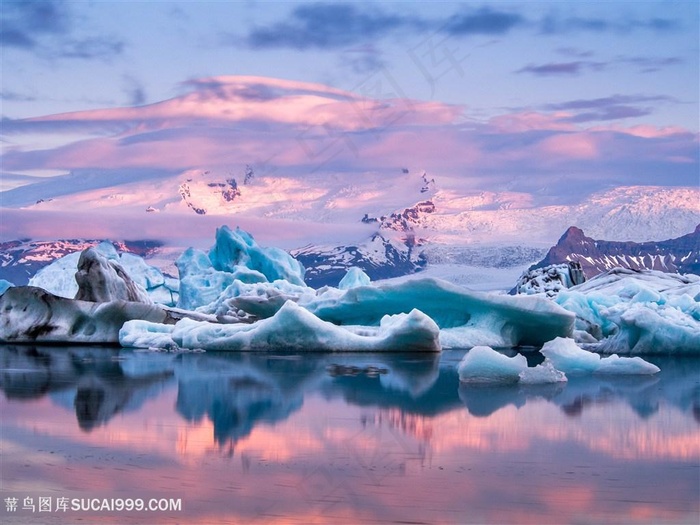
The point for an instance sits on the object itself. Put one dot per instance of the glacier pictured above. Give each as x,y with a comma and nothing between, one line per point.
241,281
636,312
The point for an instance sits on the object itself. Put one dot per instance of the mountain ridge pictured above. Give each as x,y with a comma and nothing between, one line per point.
677,255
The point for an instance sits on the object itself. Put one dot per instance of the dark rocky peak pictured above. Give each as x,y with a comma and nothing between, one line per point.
573,234
681,254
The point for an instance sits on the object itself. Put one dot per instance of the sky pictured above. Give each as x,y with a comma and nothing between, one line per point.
555,99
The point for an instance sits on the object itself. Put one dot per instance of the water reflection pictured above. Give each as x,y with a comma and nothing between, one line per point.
97,384
352,437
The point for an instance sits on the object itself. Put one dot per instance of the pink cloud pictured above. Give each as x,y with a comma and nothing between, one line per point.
237,99
571,145
530,121
644,130
303,127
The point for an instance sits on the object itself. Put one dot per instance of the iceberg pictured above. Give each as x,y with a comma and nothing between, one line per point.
353,278
240,281
102,280
567,356
550,280
4,285
479,316
234,257
637,312
59,278
259,300
484,365
31,315
291,328
145,334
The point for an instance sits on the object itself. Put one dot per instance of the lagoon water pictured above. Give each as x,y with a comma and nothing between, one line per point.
338,438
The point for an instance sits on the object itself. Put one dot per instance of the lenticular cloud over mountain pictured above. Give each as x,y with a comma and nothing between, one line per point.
302,127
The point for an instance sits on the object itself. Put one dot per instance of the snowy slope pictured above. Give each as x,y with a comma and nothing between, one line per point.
459,217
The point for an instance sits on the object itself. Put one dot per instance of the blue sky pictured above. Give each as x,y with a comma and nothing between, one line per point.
598,82
626,59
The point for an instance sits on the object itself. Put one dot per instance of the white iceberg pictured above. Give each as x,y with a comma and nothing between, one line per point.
484,365
567,356
637,312
59,278
542,374
145,334
32,315
238,280
293,328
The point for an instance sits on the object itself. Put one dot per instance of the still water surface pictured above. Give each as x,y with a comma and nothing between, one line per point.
348,438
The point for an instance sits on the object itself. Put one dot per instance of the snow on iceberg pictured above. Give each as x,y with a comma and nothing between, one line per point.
567,356
478,317
293,328
483,364
235,256
637,312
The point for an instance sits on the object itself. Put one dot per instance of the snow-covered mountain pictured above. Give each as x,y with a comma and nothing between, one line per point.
679,255
394,222
454,214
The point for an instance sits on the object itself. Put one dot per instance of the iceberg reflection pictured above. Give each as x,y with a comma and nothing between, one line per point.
279,438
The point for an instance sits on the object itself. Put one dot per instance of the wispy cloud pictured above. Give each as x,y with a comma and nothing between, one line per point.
325,26
49,29
563,68
483,21
134,91
558,24
644,64
649,64
609,108
339,25
15,96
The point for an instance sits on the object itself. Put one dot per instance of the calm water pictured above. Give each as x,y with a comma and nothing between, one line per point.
322,438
